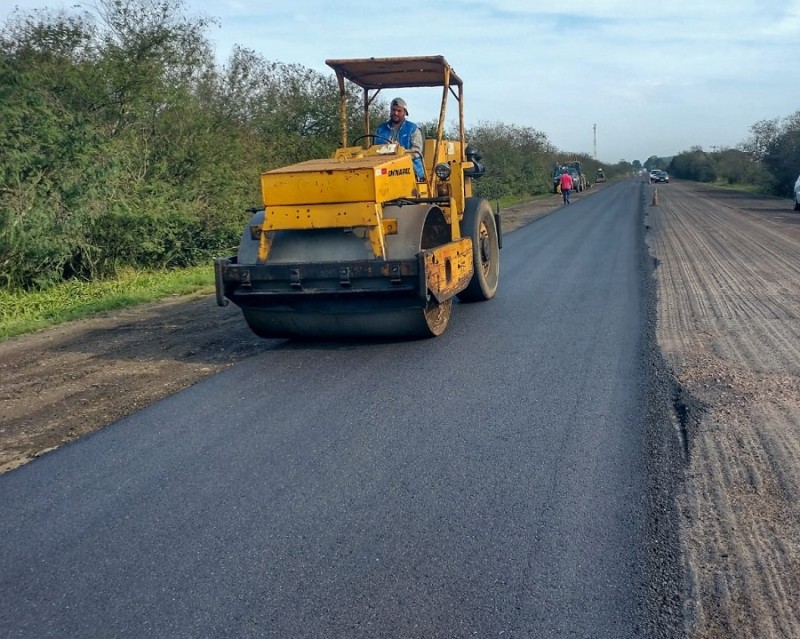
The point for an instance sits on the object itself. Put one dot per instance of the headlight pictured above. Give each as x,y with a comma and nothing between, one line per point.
442,171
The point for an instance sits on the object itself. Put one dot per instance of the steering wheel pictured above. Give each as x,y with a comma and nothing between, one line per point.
372,137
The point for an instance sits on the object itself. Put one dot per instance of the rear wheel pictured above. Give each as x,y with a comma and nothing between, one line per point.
479,224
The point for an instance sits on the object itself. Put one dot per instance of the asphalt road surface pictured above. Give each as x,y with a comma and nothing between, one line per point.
489,482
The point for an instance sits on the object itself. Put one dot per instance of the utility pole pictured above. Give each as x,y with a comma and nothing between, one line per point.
595,142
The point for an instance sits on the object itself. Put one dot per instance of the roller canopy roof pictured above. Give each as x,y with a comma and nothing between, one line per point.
395,73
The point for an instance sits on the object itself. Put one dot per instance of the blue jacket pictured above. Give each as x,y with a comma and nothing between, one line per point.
407,130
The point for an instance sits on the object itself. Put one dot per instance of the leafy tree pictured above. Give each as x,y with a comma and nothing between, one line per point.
44,140
518,160
84,135
782,154
762,135
655,162
735,166
694,164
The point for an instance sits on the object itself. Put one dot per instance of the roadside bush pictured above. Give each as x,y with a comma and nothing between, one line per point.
34,248
775,145
516,159
694,164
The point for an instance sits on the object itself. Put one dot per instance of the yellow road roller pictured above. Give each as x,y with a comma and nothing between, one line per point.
357,245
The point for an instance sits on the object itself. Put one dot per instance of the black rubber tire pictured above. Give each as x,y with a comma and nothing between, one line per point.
479,224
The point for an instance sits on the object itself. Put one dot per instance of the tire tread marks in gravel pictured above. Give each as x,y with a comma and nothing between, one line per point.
729,328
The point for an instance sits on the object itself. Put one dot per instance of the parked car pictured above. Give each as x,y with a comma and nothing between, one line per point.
657,175
797,194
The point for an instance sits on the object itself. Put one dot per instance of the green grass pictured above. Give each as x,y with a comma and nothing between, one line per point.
25,312
753,189
745,187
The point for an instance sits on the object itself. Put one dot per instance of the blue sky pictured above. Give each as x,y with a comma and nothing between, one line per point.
655,77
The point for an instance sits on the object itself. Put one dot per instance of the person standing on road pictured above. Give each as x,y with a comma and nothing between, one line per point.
405,132
565,181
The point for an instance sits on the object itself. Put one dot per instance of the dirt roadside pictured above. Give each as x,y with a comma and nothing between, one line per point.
728,280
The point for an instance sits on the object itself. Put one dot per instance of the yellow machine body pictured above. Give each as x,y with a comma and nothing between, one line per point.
374,178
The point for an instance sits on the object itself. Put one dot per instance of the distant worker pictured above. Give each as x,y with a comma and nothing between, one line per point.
565,181
405,132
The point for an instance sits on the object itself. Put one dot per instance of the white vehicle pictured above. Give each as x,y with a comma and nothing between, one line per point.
797,194
657,175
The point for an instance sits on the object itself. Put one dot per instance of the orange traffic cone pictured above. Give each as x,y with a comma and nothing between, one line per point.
655,197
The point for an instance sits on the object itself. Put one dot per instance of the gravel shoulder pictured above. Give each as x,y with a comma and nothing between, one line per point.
728,280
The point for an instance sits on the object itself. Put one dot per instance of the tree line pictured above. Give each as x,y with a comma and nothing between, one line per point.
767,162
124,144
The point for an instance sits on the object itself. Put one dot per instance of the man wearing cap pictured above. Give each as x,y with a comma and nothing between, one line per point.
405,132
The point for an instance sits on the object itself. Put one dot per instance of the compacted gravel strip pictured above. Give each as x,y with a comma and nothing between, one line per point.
729,326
